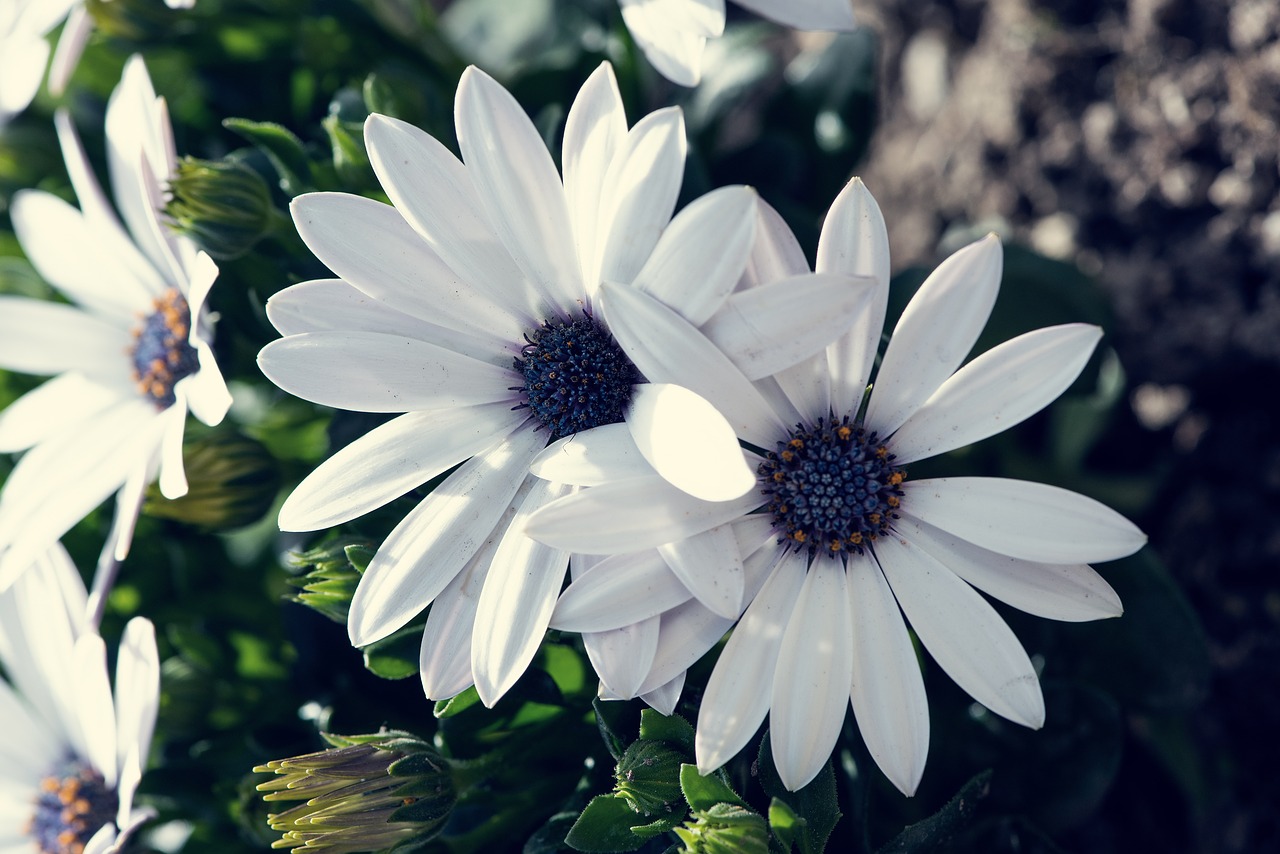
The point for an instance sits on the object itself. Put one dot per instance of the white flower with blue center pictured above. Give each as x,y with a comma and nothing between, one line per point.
130,352
673,33
478,306
836,544
72,753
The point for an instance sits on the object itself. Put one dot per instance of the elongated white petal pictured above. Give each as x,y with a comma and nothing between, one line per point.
1018,518
617,591
855,242
701,255
675,53
741,686
663,699
518,185
137,694
688,442
641,190
97,712
630,515
815,665
517,600
376,372
370,245
594,131
963,633
328,305
622,657
887,694
1070,592
767,329
592,457
433,191
66,398
71,42
710,566
206,391
38,337
438,538
1002,387
667,349
391,459
937,329
775,254
805,14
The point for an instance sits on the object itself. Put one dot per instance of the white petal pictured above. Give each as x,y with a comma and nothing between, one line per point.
630,515
71,42
206,391
370,245
815,668
516,603
617,591
173,477
805,14
766,329
137,694
622,657
937,329
855,242
47,407
667,349
436,540
1070,592
592,457
776,254
1002,387
741,686
963,633
518,185
21,70
96,711
330,305
1018,518
640,195
688,442
887,694
390,460
38,337
675,53
376,372
663,699
710,566
594,131
433,191
702,254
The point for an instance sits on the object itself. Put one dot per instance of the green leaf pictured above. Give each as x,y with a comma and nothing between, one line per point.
788,827
816,803
282,148
605,826
359,555
456,705
395,657
935,832
703,793
615,743
670,728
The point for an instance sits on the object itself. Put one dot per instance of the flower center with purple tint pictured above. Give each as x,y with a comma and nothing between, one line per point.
161,352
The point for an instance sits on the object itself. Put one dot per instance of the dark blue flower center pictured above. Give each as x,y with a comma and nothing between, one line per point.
72,805
575,376
831,487
161,352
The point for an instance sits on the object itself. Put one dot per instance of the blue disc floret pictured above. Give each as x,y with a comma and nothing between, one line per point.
575,376
832,487
72,804
162,353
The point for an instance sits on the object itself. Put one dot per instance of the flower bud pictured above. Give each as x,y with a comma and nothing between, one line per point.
725,829
367,793
231,482
648,776
223,205
331,582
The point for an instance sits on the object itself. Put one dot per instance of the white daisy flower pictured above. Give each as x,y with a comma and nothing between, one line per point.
673,33
24,52
72,755
131,352
474,306
839,544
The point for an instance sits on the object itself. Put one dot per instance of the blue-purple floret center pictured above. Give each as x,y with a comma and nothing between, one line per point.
73,803
162,354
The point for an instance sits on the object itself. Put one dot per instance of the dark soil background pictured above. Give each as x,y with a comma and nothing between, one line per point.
1138,139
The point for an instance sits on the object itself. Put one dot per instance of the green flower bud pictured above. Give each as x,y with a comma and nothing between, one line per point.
331,581
648,776
223,205
231,482
366,793
725,829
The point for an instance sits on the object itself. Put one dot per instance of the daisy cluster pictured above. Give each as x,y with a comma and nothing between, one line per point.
574,395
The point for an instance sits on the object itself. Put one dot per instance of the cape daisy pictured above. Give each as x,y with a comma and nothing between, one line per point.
839,543
475,307
130,353
673,33
72,755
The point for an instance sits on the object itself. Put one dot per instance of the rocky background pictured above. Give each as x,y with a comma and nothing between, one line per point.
1140,140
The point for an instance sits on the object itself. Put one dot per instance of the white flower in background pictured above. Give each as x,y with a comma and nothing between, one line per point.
673,33
24,51
839,543
475,307
131,353
71,756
